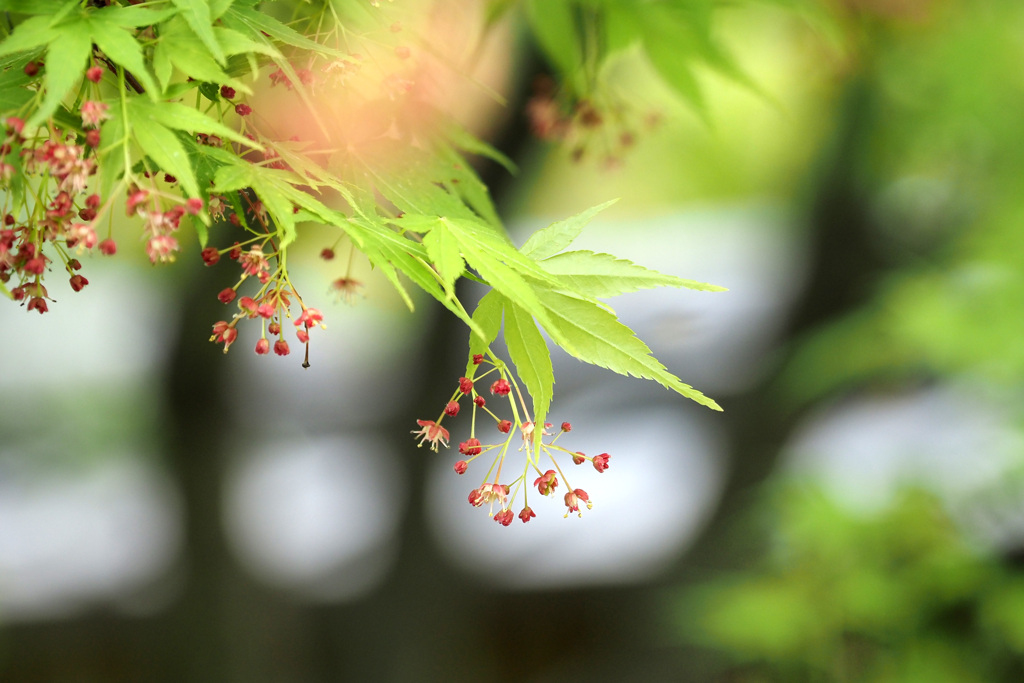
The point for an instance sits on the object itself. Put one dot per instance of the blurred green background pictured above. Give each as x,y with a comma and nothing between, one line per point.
168,513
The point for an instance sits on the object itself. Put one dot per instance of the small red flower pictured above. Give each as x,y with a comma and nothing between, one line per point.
504,517
501,387
478,358
78,282
327,254
461,466
274,328
93,138
578,458
136,198
452,409
546,483
243,109
93,113
465,385
573,498
479,401
470,446
263,347
281,347
566,427
38,303
224,333
193,206
210,256
248,305
94,73
302,336
432,432
253,262
504,426
526,514
601,462
227,92
226,295
493,493
36,265
309,318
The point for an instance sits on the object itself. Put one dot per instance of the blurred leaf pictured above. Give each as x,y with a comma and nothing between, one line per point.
548,241
120,45
530,354
65,61
603,275
555,29
165,149
591,333
197,14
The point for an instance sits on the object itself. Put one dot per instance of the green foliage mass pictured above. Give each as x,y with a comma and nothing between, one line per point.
409,202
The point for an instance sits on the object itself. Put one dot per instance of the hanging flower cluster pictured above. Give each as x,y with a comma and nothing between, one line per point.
497,496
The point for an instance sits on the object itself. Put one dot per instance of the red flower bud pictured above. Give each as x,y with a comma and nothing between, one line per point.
578,458
452,409
210,256
193,206
478,358
479,400
546,483
243,109
227,92
601,462
281,347
465,385
470,446
136,198
36,265
327,254
504,426
78,282
460,467
504,517
93,138
263,347
526,514
226,296
274,328
248,305
566,427
94,73
501,387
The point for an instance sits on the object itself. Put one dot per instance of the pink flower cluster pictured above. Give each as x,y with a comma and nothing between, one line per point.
491,492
